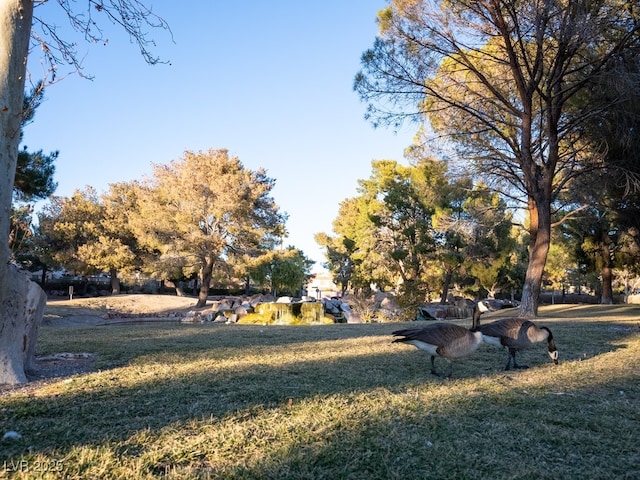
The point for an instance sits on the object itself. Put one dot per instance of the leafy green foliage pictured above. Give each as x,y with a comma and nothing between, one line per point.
284,272
341,258
34,175
422,229
33,181
602,208
34,171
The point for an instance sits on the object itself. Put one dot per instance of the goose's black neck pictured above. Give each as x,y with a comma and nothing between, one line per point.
475,324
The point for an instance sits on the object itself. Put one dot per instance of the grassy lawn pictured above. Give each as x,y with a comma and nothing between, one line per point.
332,402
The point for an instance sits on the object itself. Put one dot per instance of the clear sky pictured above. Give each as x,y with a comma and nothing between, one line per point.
272,82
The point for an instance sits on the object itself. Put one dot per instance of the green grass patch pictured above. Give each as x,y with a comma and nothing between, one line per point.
336,401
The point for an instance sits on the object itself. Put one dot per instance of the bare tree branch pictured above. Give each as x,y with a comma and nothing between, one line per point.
133,16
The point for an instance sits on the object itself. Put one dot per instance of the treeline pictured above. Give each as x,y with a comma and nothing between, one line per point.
431,233
206,221
203,218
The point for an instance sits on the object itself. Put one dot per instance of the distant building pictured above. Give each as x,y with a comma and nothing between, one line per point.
322,286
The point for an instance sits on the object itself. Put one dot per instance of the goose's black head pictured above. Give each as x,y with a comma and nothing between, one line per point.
551,346
481,307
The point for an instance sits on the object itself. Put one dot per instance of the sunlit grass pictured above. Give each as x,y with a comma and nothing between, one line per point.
330,401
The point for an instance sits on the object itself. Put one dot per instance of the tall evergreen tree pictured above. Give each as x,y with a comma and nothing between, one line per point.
499,80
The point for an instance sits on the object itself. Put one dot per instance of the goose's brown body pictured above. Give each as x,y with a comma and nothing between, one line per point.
517,334
441,339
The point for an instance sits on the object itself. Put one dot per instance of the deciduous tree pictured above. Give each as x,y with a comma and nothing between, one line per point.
203,209
116,248
69,223
284,271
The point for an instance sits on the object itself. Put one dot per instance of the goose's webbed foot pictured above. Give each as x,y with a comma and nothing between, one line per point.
434,372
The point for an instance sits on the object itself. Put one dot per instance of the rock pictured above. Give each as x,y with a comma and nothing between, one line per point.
220,318
11,435
354,317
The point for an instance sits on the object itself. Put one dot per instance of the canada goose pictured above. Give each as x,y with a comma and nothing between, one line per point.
516,334
441,339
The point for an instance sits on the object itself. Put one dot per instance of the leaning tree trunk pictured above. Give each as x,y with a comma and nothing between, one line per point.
15,30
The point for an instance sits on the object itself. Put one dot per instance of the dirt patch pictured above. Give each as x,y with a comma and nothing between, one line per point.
120,305
51,368
115,309
90,312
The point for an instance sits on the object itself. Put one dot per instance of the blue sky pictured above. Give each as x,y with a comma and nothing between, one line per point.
269,81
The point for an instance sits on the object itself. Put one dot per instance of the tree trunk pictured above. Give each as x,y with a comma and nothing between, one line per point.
43,277
25,305
206,274
177,285
606,269
446,282
540,232
247,285
15,29
607,285
115,282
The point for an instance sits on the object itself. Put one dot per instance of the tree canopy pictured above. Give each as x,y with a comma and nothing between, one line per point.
419,229
204,209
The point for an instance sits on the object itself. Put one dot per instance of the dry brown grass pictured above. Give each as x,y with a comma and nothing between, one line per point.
336,401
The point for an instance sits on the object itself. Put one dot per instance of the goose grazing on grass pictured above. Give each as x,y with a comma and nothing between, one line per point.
516,334
441,340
